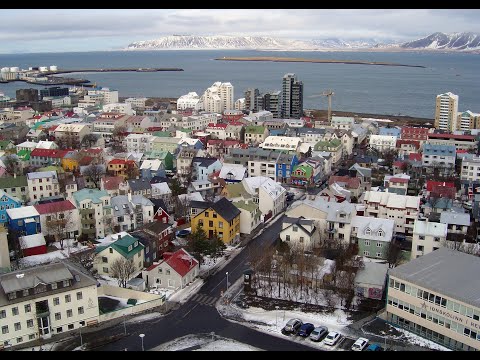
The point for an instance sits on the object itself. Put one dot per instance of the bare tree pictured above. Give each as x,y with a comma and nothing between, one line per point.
131,171
181,207
122,269
118,135
394,254
389,156
12,165
59,223
94,173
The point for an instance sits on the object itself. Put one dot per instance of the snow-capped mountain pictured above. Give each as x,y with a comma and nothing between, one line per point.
220,42
335,43
440,41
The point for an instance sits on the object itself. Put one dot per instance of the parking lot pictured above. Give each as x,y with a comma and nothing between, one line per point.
344,344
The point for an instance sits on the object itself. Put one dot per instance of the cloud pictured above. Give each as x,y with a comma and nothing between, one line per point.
105,28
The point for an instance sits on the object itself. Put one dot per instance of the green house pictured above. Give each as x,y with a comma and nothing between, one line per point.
373,236
302,175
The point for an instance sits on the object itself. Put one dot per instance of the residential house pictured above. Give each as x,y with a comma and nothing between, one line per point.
342,122
176,271
407,147
156,237
170,144
221,148
390,131
125,247
161,211
184,162
95,212
458,224
24,220
283,143
302,175
364,174
26,145
235,131
441,157
131,211
59,215
233,173
300,233
414,133
427,237
139,142
351,184
139,187
73,133
151,168
311,135
162,191
42,184
164,156
7,201
7,145
202,167
255,134
188,143
46,157
370,280
33,245
46,300
123,168
250,216
216,131
334,147
383,143
221,218
113,185
403,209
285,164
373,236
397,184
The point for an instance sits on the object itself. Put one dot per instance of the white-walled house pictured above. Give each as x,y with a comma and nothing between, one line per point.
383,142
131,211
42,184
427,237
300,233
271,195
63,213
95,211
175,271
250,215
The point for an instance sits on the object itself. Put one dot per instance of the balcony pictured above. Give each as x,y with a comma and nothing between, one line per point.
41,309
331,230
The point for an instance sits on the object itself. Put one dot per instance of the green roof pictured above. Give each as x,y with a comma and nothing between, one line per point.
123,243
58,169
11,182
93,194
24,155
4,144
161,133
306,168
236,190
255,129
161,155
185,130
250,206
332,143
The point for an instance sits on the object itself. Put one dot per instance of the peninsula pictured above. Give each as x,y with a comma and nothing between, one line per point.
324,61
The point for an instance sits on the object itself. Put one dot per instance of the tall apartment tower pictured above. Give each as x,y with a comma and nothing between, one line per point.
292,97
272,102
468,120
446,112
218,97
251,99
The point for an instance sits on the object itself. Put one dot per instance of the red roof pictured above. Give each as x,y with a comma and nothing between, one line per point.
451,136
352,182
51,153
212,125
415,157
86,160
93,151
415,143
399,180
432,184
112,182
121,162
462,151
398,163
54,207
180,261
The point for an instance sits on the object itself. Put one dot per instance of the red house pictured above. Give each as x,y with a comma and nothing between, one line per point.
33,244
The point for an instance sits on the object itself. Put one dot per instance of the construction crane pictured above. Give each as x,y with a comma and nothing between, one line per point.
327,93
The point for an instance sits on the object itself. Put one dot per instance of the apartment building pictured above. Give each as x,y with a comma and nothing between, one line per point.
292,97
470,169
440,156
428,236
131,212
446,112
468,120
42,184
282,143
218,97
461,142
109,96
189,101
95,212
383,142
139,142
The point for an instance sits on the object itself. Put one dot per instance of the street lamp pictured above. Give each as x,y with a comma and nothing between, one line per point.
227,279
141,337
276,317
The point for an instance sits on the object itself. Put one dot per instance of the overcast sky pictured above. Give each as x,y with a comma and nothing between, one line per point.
61,30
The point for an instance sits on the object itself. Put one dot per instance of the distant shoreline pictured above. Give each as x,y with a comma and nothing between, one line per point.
322,61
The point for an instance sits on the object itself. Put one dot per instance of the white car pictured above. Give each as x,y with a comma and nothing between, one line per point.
360,344
332,338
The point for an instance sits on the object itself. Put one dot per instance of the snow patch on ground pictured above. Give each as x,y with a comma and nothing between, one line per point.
204,342
420,341
68,249
145,317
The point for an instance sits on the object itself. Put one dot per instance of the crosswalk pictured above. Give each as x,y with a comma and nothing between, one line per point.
204,299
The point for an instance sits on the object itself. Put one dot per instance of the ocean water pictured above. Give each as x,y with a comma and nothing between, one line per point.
392,90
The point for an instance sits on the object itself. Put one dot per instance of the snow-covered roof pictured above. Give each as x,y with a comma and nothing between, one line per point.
28,144
30,241
392,200
425,227
455,218
330,208
43,144
371,228
232,172
194,196
22,212
372,274
153,165
161,188
41,175
188,141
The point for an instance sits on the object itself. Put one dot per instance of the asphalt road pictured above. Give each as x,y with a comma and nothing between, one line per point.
199,315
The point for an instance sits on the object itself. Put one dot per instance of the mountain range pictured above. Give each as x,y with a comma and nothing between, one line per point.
466,42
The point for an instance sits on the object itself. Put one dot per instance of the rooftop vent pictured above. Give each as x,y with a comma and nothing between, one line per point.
20,276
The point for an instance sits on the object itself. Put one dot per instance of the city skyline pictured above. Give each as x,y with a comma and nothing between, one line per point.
63,30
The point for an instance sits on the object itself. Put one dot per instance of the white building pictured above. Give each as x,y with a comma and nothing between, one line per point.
109,96
190,101
139,142
218,97
131,211
75,131
401,208
470,169
59,213
58,101
240,104
250,215
45,300
446,112
271,195
95,212
300,233
42,184
121,108
343,122
285,143
383,142
135,102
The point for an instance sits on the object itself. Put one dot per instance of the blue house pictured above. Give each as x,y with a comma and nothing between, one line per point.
390,131
152,168
7,202
25,220
190,143
202,167
285,165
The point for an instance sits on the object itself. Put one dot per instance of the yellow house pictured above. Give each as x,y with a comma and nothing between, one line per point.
120,167
70,161
222,217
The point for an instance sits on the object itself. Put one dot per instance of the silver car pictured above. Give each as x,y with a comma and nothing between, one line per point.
318,333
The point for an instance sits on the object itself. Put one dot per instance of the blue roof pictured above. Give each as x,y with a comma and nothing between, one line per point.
389,131
434,149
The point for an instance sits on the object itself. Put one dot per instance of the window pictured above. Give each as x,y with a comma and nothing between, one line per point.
105,270
167,272
69,313
436,239
367,242
220,224
210,223
56,301
295,228
59,329
379,244
19,339
104,259
287,238
378,254
28,308
366,253
5,329
206,213
110,250
79,295
68,298
419,247
70,327
18,326
421,237
159,270
29,323
80,310
15,311
301,239
58,316
31,336
53,286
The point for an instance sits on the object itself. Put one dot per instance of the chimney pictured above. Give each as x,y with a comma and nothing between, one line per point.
129,197
14,175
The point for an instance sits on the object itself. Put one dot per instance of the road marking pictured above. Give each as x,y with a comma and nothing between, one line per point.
189,311
211,302
201,298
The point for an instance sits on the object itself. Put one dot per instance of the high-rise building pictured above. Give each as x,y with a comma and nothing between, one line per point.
30,95
109,96
54,91
468,120
272,102
292,97
251,99
218,97
446,110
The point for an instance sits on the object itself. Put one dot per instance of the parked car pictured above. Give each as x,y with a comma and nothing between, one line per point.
332,338
292,326
306,329
360,344
183,233
374,347
318,333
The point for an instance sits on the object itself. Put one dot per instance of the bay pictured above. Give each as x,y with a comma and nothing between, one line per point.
375,89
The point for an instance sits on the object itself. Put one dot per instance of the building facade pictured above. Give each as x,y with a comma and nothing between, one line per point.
446,112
